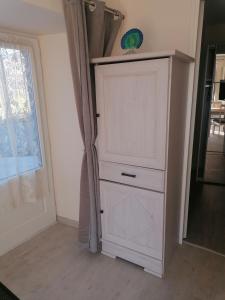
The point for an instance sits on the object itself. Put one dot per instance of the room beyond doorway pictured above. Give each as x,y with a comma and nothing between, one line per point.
206,217
214,169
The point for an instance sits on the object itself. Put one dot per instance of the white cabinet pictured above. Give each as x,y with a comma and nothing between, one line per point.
132,102
141,102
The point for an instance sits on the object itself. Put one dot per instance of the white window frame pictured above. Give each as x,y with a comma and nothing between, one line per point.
39,92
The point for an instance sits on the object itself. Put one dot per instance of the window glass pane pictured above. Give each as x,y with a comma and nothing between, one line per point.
20,149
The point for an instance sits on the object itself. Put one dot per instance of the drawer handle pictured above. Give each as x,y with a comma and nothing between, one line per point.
128,175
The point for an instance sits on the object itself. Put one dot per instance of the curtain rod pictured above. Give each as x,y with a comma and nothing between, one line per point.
108,9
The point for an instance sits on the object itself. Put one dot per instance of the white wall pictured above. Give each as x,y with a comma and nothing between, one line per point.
166,24
65,139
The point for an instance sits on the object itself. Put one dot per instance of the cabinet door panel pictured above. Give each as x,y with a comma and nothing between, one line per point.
132,218
132,100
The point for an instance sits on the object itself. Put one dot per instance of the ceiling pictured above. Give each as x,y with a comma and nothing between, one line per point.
215,12
32,16
55,5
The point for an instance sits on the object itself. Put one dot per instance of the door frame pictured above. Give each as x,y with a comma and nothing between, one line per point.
190,125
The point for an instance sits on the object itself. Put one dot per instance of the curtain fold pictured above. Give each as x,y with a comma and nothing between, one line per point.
96,29
88,37
102,28
112,26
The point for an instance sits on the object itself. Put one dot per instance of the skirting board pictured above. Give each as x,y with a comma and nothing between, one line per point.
67,222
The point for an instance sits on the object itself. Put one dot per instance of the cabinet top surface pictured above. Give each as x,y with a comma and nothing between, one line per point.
143,56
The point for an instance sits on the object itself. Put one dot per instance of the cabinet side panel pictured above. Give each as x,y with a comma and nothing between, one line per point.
176,136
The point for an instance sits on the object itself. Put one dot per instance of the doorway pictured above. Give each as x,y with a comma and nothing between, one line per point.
206,217
214,168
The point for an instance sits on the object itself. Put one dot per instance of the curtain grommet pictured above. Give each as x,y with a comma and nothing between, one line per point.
92,6
117,16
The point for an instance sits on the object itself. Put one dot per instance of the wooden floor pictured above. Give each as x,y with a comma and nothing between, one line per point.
206,221
215,159
52,266
215,142
215,168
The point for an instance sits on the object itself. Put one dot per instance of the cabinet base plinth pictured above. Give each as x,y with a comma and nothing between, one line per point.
108,254
150,265
153,273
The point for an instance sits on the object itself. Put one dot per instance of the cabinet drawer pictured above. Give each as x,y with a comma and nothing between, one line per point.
132,218
135,176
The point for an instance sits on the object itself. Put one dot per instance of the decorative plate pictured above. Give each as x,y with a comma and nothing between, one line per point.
132,39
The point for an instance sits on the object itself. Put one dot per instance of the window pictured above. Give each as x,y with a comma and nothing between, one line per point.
20,150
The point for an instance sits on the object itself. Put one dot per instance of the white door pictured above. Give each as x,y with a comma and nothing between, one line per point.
132,100
132,218
26,193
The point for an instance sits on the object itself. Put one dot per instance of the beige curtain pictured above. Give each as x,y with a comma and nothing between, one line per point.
79,40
